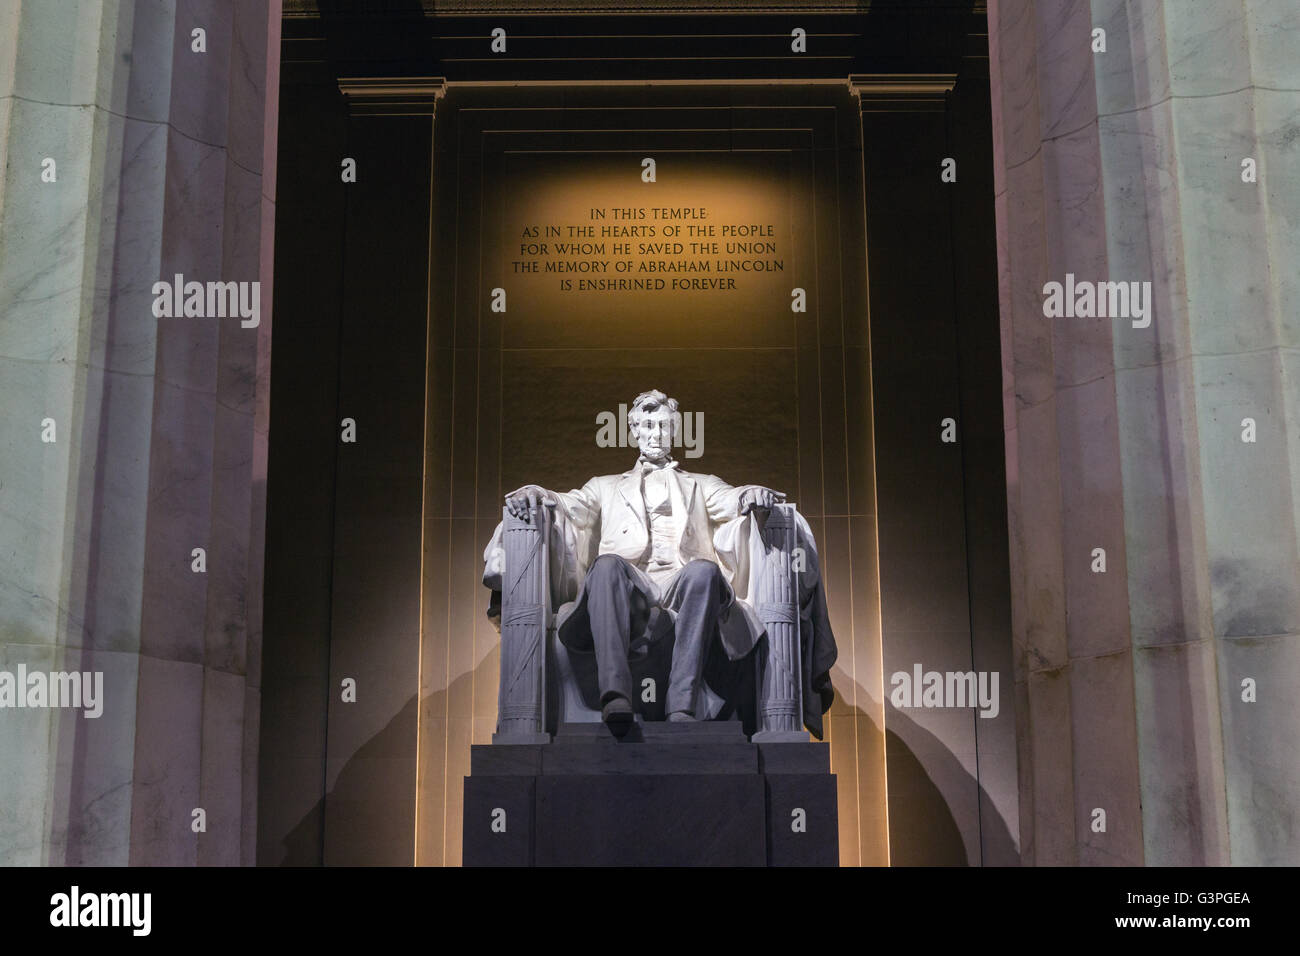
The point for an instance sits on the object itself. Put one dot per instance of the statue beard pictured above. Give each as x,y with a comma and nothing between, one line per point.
662,454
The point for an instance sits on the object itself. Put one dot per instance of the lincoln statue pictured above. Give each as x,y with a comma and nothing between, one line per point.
658,550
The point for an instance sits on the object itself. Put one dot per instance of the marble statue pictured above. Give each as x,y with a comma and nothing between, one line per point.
656,548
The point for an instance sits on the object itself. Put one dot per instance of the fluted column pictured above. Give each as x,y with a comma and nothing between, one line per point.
137,142
1153,461
525,610
781,700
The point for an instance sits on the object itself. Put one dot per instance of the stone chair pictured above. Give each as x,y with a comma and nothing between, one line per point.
544,684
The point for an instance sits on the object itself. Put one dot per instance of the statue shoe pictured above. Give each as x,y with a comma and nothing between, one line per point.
680,715
617,712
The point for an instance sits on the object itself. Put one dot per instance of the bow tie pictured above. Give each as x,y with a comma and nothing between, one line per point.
648,466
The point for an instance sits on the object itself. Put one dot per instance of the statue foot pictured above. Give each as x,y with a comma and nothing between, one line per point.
680,715
617,713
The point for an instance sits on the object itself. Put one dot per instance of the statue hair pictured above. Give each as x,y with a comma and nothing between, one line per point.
649,402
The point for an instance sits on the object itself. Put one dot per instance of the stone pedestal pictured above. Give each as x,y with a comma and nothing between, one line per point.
696,794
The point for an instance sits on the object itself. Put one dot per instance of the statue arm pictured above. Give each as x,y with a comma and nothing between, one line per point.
726,501
721,499
580,508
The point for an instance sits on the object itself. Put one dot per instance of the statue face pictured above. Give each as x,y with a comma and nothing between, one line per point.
654,434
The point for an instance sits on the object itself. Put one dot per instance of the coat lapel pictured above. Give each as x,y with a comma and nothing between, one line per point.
629,489
685,485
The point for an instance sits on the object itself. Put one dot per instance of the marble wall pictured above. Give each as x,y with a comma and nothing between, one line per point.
164,163
916,785
356,590
944,596
798,384
1135,682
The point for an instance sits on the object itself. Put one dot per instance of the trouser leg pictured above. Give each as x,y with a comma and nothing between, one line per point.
700,597
609,611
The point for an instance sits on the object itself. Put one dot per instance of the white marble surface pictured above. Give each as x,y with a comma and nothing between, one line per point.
1182,755
199,110
159,153
1092,516
1067,99
1136,436
1105,759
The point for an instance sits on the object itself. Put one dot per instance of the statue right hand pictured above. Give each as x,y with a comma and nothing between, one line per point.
527,500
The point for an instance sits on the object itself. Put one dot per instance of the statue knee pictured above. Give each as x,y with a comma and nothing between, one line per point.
606,567
701,573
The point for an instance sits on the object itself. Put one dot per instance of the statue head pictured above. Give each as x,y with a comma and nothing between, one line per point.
652,419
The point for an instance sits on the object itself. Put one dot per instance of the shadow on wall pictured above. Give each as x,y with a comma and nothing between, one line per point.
923,828
366,831
937,839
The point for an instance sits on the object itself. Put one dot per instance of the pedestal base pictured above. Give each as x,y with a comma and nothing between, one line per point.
537,738
666,794
781,736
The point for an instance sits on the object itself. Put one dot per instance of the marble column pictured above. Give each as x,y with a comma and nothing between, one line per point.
163,147
1160,691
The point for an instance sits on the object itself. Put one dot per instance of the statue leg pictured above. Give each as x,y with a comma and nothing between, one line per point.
609,586
699,596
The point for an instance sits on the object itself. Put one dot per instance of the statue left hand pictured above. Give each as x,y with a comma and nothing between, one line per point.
756,496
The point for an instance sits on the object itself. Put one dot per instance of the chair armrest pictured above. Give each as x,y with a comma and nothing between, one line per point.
525,618
777,605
